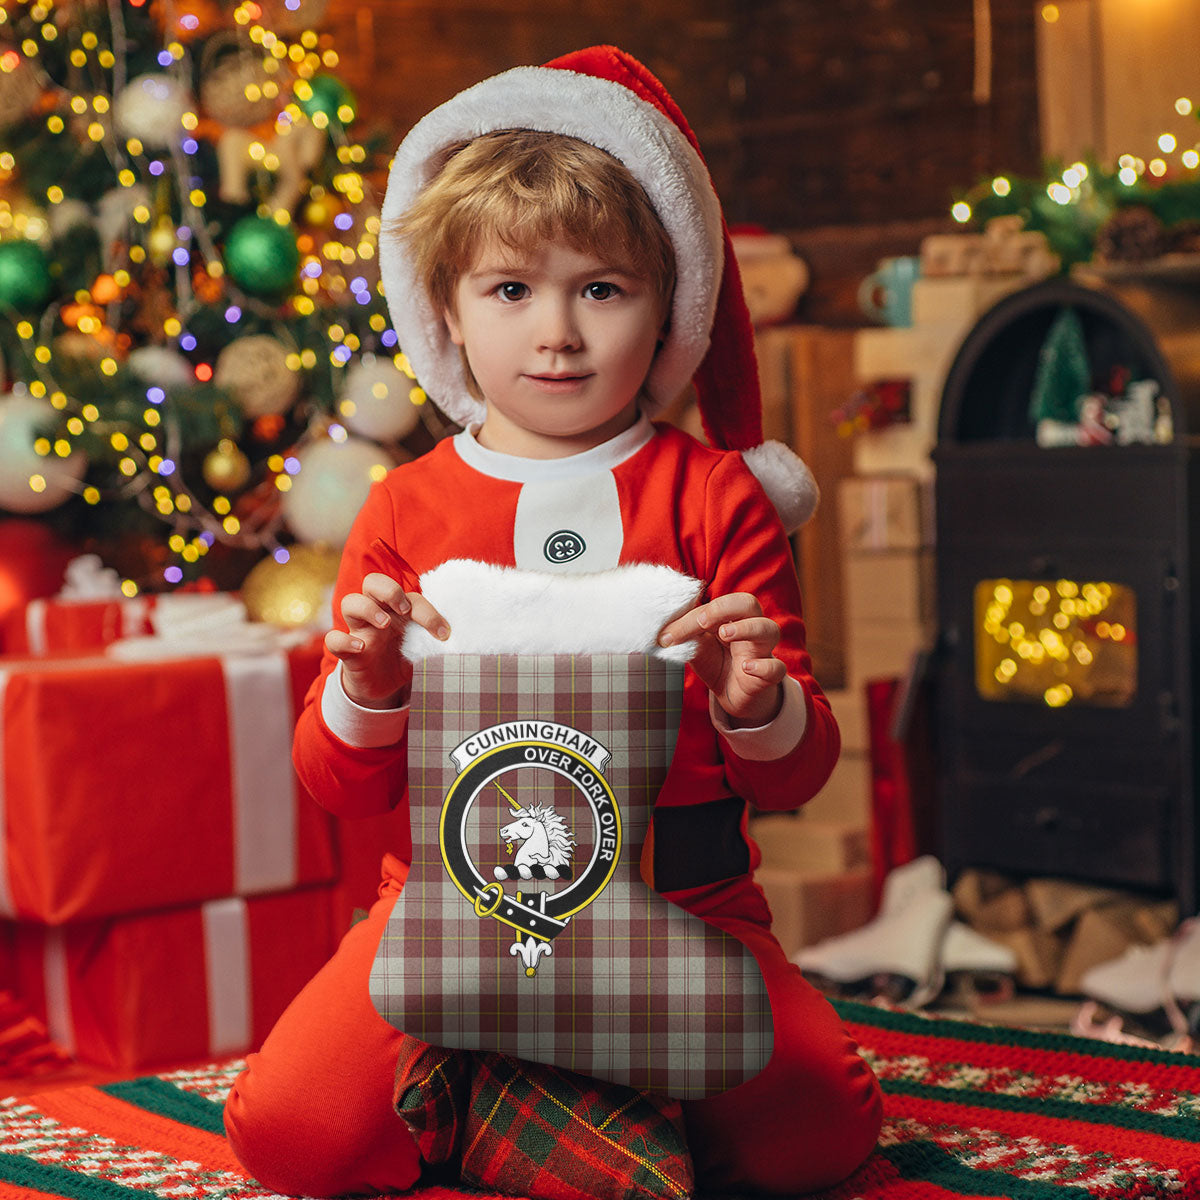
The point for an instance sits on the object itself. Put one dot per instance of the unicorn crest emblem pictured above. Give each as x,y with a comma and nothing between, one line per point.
546,844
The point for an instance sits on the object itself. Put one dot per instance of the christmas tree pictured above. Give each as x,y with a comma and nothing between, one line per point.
196,353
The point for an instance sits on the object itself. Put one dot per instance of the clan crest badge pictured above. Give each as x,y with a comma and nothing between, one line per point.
502,758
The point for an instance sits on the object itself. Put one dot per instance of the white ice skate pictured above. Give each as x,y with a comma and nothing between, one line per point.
1158,986
898,953
979,966
967,952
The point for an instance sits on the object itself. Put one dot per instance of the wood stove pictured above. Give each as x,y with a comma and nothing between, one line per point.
1067,664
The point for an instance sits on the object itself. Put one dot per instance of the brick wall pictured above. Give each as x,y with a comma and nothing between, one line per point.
810,113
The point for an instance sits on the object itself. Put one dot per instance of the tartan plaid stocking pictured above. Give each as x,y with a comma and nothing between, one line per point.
432,1090
559,953
537,1131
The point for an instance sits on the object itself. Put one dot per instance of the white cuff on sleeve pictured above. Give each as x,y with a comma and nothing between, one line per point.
765,743
365,728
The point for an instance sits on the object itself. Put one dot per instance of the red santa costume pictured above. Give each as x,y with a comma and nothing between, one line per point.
313,1112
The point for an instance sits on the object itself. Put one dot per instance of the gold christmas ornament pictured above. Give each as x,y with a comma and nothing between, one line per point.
162,242
254,369
235,86
79,348
20,88
225,467
318,213
293,594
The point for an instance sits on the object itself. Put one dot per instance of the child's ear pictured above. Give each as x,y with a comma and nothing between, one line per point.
452,326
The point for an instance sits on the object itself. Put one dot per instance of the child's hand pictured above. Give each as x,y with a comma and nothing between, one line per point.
373,672
734,655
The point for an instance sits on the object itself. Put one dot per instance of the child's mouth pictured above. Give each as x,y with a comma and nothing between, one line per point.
558,383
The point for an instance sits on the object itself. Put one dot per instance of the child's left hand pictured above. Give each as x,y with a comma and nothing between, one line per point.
734,655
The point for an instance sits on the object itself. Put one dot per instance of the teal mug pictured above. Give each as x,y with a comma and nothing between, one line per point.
886,294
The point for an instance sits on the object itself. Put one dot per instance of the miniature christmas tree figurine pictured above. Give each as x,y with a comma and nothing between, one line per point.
1062,381
193,344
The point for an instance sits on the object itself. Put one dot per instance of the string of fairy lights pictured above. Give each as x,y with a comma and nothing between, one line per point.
306,251
1071,186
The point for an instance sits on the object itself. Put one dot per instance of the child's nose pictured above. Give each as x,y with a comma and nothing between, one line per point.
558,328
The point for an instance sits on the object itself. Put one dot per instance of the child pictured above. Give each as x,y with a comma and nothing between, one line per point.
553,261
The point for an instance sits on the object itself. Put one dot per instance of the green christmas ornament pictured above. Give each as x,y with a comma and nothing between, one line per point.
1063,375
328,95
262,255
24,275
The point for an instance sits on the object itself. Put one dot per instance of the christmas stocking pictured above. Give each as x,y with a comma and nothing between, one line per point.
525,926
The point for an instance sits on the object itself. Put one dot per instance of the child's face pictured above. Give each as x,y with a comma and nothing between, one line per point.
559,342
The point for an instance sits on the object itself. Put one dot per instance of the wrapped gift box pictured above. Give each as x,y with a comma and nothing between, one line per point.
53,625
885,512
175,986
809,907
132,786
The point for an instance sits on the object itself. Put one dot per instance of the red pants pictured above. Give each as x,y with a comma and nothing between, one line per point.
312,1113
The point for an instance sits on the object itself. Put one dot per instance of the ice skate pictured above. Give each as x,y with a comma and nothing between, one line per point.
1155,988
906,882
898,953
978,965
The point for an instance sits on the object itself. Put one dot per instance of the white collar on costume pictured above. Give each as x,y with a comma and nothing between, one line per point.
509,467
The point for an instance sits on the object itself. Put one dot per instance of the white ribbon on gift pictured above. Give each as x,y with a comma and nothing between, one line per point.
265,837
57,982
227,974
35,626
226,971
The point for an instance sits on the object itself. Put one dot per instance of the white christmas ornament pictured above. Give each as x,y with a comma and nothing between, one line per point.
29,482
375,400
254,369
66,215
162,366
330,488
151,108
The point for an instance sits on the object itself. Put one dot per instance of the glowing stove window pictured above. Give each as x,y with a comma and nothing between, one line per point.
1056,642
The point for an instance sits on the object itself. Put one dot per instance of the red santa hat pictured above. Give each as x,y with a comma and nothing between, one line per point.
607,98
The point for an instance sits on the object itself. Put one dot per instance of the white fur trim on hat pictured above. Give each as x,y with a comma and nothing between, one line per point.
604,114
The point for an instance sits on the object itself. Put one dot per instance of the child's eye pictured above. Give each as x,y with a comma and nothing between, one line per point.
601,291
512,291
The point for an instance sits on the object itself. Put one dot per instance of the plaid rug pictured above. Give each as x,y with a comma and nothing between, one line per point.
587,968
972,1111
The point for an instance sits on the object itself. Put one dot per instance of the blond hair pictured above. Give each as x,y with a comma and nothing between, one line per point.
519,188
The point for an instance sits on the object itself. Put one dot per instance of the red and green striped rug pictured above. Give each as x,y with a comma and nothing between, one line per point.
972,1110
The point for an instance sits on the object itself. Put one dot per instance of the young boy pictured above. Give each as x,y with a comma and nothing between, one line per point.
554,259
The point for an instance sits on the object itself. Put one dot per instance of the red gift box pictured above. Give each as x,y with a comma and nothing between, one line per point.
75,626
133,786
175,986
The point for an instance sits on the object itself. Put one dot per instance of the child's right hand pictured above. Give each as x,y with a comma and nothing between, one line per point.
373,672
